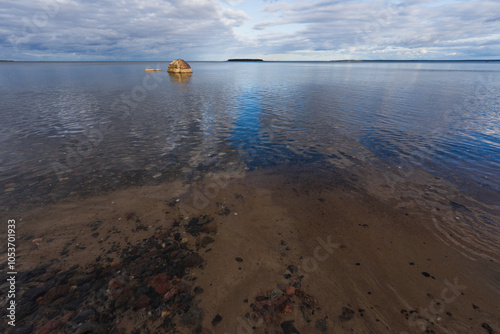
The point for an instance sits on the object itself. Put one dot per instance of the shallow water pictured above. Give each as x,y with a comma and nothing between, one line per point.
86,127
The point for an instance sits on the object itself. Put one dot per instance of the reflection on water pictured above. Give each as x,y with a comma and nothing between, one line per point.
180,77
84,127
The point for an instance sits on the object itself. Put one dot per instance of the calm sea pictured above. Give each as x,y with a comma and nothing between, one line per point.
80,128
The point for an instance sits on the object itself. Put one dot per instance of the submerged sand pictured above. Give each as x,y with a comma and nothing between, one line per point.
290,250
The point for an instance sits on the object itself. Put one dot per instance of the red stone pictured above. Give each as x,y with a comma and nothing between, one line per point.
143,301
182,287
290,290
116,283
160,283
299,293
55,293
49,327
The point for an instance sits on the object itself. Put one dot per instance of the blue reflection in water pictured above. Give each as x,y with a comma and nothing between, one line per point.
246,135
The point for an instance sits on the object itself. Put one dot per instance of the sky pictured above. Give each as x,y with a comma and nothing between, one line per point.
200,30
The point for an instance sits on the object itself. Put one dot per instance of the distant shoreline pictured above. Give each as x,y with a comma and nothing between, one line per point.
6,61
244,59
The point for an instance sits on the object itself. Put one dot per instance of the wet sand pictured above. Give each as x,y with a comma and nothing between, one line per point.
282,251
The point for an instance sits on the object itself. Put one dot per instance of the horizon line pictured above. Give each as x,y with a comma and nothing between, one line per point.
263,60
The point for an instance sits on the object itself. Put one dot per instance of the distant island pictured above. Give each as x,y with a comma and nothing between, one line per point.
5,61
347,61
242,59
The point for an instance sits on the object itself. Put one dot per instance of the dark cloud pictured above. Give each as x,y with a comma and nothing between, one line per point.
205,29
125,29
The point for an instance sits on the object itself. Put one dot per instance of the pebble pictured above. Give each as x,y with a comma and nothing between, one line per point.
289,328
144,277
142,302
321,325
290,290
192,317
347,314
217,319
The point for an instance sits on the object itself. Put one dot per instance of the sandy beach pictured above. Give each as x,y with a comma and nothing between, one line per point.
286,250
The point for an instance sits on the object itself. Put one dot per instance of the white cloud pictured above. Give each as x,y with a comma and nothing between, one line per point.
358,27
209,29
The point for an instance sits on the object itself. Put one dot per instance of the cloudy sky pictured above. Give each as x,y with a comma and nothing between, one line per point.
268,29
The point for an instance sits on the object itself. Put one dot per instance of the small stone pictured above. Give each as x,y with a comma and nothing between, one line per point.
426,274
95,225
217,319
321,325
289,328
290,290
160,284
206,240
306,313
142,302
192,317
487,328
192,260
239,259
293,269
347,314
124,299
116,283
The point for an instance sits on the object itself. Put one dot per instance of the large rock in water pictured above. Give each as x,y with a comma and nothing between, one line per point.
179,66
